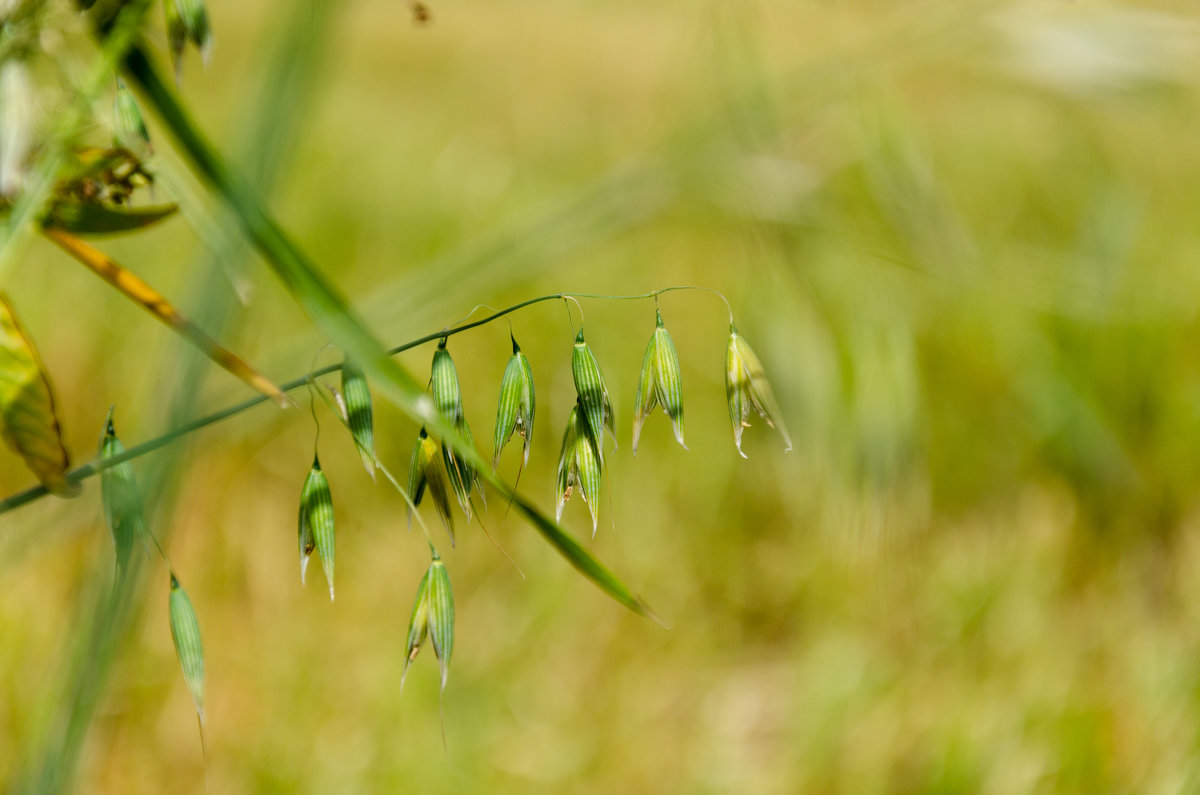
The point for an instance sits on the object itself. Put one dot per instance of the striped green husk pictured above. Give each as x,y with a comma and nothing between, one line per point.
517,404
316,528
121,499
593,392
129,128
443,382
579,463
359,413
461,474
185,632
441,614
660,383
746,386
194,17
425,470
418,624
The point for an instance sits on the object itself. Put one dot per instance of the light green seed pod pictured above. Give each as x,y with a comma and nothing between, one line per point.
461,474
418,624
565,476
194,15
593,393
177,34
129,128
588,474
517,402
579,464
316,523
746,386
441,614
443,382
185,632
121,499
425,470
660,383
359,413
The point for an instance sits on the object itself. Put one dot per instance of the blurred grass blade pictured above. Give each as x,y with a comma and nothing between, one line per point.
316,522
90,218
359,413
321,301
28,420
153,302
120,497
185,632
441,614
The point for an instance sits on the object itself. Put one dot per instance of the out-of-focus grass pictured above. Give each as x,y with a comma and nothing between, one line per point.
962,238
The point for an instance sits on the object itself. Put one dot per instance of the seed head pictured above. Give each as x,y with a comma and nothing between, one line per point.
746,385
121,499
316,523
356,402
425,469
660,383
432,617
516,408
579,463
129,128
185,632
593,393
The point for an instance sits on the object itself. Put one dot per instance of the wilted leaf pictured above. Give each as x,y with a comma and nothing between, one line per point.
91,218
27,417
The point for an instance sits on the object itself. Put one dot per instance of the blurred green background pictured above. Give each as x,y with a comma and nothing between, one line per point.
961,236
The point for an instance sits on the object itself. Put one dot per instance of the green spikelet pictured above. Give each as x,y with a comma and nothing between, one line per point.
359,413
425,470
516,407
441,614
185,632
579,464
121,499
746,386
593,393
660,383
316,528
129,128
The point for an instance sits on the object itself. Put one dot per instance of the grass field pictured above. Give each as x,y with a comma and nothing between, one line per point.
961,236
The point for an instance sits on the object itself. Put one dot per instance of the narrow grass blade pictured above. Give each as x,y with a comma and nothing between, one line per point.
185,632
153,302
316,520
359,413
28,420
123,513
